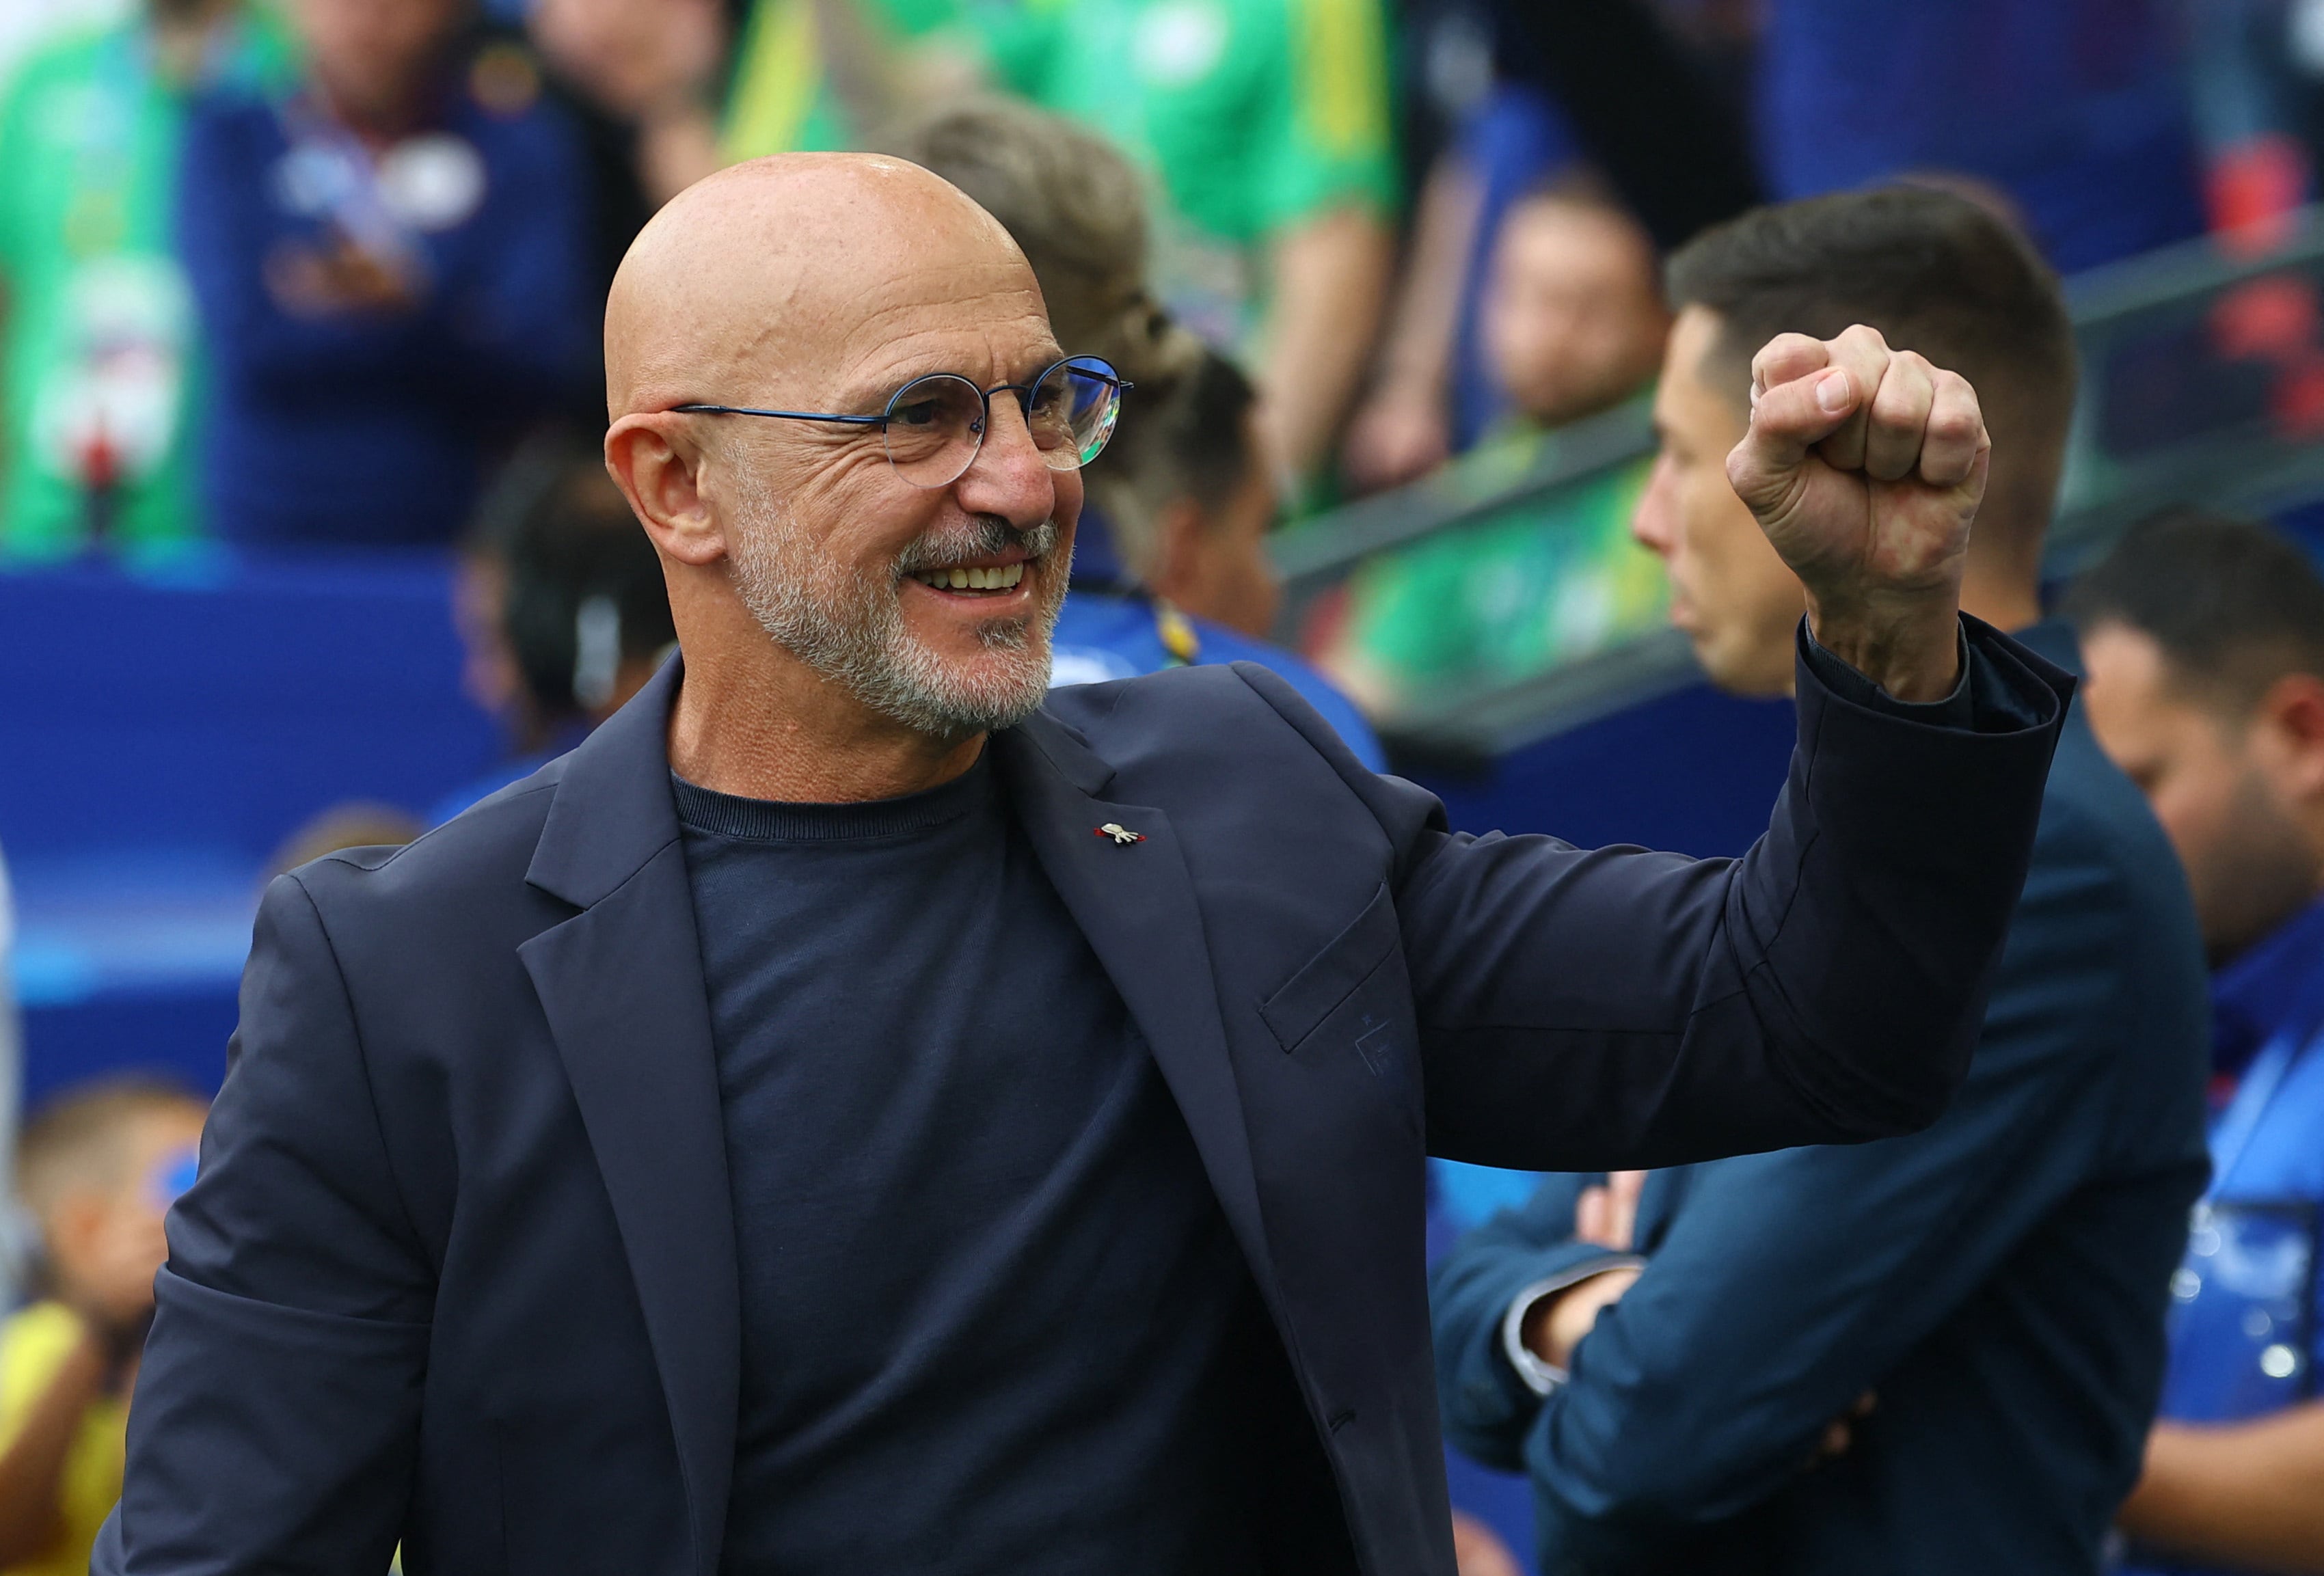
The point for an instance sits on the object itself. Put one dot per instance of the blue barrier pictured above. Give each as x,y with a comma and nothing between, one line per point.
162,732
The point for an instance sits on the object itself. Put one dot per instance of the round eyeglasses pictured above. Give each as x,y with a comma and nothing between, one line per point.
935,426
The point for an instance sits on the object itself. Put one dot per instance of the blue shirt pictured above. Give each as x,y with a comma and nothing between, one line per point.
992,1316
334,423
1108,630
1998,1279
2245,1339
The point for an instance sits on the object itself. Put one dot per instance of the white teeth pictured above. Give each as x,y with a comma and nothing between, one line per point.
978,579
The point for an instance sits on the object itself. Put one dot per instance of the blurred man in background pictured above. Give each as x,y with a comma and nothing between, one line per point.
1264,125
97,328
560,605
1574,318
97,1170
1668,1357
2205,640
391,264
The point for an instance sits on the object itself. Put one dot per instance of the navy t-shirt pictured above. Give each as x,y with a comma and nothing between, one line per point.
993,1320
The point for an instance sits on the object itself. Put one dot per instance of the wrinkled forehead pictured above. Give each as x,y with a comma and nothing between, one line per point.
982,319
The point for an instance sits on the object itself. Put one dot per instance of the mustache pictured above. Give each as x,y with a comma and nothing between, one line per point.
983,537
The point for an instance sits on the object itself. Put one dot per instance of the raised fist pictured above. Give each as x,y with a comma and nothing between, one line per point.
1865,467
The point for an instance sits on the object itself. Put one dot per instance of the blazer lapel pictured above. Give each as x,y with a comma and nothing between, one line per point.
621,985
1134,903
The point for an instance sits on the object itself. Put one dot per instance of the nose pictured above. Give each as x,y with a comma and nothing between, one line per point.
1654,523
1009,477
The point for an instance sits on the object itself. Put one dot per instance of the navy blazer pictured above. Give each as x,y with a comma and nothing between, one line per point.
459,1268
1999,1280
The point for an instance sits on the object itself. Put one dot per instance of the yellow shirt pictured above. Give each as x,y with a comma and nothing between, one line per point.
33,1345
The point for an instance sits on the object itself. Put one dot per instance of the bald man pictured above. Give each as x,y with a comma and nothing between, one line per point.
860,1113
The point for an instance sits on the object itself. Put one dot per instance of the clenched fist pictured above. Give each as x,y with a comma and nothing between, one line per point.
1865,466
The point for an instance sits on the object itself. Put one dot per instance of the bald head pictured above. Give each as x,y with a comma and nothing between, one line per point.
752,286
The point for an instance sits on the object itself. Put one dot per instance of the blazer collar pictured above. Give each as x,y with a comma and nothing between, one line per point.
613,810
621,983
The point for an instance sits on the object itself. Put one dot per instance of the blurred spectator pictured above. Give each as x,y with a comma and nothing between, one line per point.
638,78
99,341
819,75
2205,639
2258,99
1932,1354
1188,497
97,1170
1430,394
560,605
2075,110
1264,125
1179,505
392,263
1573,316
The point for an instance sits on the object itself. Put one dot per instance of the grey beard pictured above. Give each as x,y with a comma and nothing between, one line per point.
849,627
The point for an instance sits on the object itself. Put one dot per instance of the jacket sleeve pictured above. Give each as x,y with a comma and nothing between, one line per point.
1788,1284
1583,1010
276,1424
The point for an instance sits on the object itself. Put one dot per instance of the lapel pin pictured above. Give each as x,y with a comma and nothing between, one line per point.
1119,833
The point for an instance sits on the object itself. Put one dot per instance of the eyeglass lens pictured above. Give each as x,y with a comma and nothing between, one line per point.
936,424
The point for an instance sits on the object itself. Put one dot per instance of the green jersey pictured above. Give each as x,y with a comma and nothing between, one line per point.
783,99
99,342
1501,598
1250,116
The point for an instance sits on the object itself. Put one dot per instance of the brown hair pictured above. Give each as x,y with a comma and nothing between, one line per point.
1076,208
2235,604
1933,273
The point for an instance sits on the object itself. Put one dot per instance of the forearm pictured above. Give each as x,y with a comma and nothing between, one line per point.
32,1469
2247,1494
1415,362
1330,278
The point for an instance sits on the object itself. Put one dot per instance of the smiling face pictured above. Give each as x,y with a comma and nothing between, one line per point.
1730,592
932,605
828,285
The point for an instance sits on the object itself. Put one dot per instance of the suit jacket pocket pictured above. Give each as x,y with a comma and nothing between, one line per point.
1350,1006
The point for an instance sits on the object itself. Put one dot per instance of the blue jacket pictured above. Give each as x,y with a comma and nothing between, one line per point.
1999,1280
459,1268
1110,634
368,427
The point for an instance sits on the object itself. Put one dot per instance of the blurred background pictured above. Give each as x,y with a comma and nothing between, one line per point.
303,543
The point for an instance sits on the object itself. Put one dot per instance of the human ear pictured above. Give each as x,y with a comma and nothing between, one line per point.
661,470
2292,713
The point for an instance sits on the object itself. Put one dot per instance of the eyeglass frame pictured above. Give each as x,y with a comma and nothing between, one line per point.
1024,393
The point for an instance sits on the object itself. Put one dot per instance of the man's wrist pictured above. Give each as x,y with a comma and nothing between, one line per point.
1912,650
1539,1374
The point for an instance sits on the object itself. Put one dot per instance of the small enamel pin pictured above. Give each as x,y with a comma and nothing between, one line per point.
1119,833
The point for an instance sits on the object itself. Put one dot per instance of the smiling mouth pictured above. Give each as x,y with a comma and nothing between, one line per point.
999,577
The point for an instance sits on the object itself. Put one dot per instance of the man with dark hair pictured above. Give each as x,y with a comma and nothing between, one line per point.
1938,1353
2205,643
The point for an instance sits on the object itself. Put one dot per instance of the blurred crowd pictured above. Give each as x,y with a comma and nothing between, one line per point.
298,277
288,273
